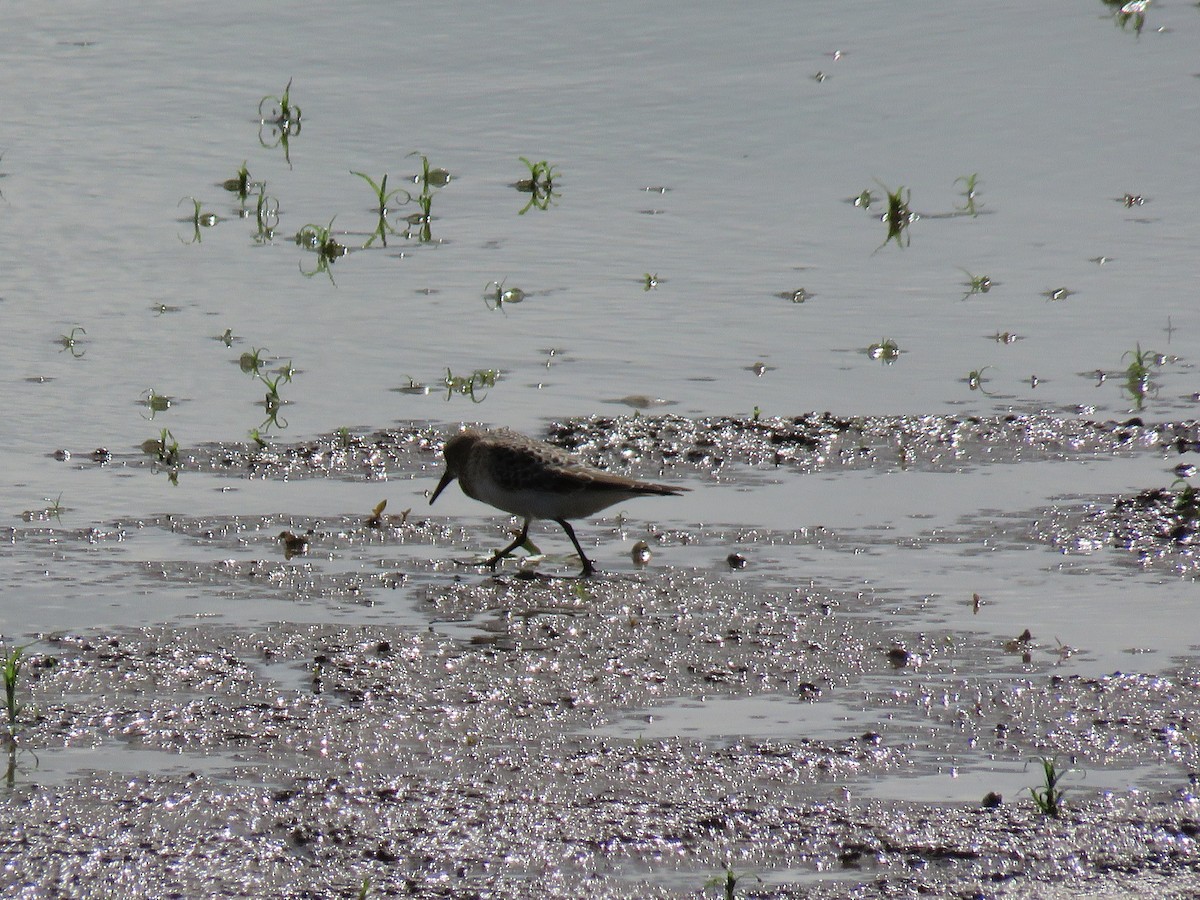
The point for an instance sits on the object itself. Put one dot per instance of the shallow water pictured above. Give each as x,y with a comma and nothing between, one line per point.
699,149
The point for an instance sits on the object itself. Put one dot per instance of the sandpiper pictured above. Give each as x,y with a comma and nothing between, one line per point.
535,480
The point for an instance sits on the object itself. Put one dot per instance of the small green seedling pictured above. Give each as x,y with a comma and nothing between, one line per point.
899,215
420,224
266,216
975,380
251,362
155,401
240,183
320,240
429,177
969,183
728,880
55,508
496,295
71,342
11,673
1138,383
539,185
382,195
1048,797
283,120
200,219
468,384
977,284
280,111
886,350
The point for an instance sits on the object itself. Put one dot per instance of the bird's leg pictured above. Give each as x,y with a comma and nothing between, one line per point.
588,568
521,538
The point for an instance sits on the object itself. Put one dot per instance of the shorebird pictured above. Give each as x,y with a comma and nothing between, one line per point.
535,480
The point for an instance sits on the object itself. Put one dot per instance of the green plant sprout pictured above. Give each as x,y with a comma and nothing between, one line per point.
429,178
899,215
55,508
975,380
496,295
886,350
423,219
280,111
728,881
319,239
1048,796
266,216
165,450
468,384
382,195
977,284
282,118
71,342
272,402
539,185
240,183
251,361
200,219
1138,384
11,673
155,401
970,197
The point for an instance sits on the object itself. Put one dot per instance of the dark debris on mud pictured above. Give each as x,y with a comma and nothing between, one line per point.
1159,528
809,442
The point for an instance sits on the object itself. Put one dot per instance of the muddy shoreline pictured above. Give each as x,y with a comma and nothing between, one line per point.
477,750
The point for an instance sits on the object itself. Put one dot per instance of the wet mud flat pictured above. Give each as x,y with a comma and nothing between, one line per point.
439,732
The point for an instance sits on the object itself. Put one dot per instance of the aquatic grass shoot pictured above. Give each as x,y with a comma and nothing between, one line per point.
899,215
977,284
975,379
728,880
429,176
539,185
466,385
156,402
1138,383
280,110
11,673
200,219
970,185
165,451
496,295
240,183
382,195
1048,796
319,239
283,120
887,350
266,216
70,342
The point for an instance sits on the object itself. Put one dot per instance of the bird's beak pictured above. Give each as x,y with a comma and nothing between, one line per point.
446,479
